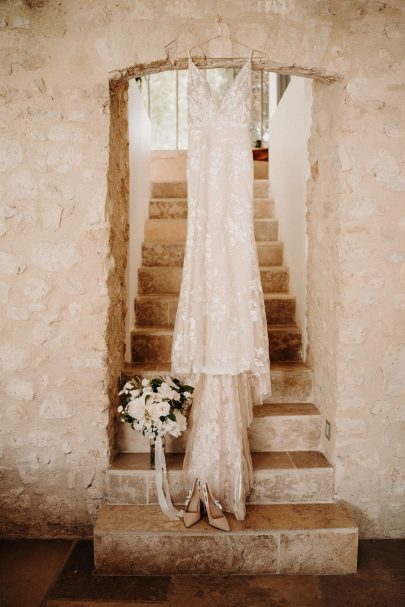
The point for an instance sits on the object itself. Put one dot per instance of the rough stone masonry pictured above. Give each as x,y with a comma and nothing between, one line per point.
63,231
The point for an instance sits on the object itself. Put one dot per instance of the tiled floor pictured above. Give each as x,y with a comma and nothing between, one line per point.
58,573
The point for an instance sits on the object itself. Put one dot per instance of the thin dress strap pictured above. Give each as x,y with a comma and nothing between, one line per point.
251,53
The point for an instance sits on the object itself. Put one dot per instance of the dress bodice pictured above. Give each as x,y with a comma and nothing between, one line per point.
234,108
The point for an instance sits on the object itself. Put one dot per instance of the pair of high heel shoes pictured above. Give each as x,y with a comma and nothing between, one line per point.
200,496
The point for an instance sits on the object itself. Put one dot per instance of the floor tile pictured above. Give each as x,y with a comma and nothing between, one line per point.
28,568
77,582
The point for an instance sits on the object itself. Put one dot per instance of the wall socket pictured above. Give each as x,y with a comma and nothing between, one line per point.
328,429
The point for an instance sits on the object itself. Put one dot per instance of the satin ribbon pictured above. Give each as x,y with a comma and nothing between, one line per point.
162,483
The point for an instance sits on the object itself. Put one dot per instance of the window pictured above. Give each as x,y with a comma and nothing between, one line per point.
165,96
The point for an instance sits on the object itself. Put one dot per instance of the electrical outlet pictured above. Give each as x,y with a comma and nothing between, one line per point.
327,429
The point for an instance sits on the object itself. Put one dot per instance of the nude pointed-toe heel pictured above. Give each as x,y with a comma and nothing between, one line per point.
192,512
216,517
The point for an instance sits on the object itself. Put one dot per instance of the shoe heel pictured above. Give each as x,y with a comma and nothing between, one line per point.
203,509
216,517
192,512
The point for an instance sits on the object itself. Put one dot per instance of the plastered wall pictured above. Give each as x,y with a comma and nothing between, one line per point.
63,227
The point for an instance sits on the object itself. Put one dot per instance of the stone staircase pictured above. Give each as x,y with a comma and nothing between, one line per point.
292,523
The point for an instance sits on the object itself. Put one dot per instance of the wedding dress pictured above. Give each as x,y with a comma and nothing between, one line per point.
220,336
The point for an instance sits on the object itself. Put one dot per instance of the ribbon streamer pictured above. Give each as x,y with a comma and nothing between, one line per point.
162,483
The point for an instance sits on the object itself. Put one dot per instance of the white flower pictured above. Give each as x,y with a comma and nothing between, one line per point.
158,409
145,382
120,409
179,426
136,408
187,394
167,392
170,382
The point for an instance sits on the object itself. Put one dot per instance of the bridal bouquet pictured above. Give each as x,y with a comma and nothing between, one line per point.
156,406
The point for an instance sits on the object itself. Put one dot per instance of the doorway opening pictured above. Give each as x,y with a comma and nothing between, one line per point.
157,123
152,259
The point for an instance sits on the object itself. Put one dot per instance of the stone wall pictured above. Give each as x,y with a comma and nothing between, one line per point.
63,228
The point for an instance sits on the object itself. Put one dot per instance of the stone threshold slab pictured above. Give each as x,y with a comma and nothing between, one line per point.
279,477
277,460
278,538
263,518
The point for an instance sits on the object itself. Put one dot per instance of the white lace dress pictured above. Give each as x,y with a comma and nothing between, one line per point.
220,333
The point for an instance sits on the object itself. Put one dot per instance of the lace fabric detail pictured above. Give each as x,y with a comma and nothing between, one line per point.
220,334
234,109
217,449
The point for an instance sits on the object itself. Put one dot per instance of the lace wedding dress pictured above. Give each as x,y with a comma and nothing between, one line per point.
220,334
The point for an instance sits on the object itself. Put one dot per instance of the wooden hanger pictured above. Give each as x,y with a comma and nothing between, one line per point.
219,35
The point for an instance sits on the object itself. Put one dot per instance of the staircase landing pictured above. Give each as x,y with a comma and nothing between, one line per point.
281,538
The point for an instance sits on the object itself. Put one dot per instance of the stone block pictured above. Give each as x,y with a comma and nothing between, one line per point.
160,310
316,552
176,208
178,189
277,479
11,264
175,230
141,540
285,426
168,279
164,254
153,345
291,382
275,427
55,256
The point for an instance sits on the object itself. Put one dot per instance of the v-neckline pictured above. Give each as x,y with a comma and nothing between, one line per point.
228,90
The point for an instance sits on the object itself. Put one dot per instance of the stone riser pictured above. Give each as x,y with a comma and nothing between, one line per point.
155,347
162,254
290,382
175,230
273,433
168,280
178,189
270,486
161,311
290,538
176,208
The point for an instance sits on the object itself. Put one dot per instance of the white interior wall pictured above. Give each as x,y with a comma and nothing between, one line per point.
288,171
139,189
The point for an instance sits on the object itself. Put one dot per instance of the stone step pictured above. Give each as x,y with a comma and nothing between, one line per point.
154,344
291,382
156,253
178,189
167,279
176,208
160,310
276,538
275,427
175,230
279,477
